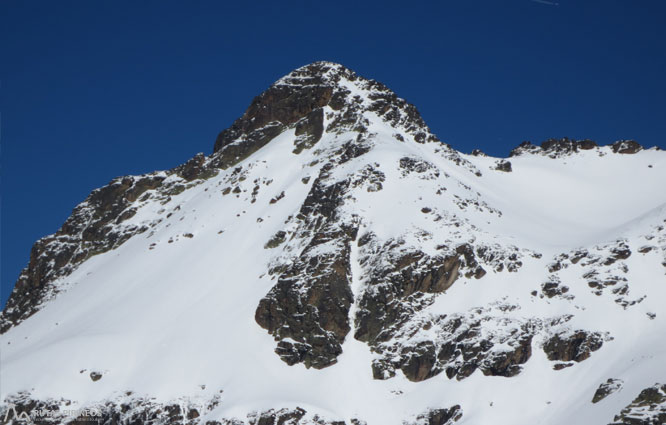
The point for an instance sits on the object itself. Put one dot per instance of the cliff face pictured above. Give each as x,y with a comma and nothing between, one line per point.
332,261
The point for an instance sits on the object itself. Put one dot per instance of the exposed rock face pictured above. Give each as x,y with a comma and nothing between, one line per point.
566,145
401,283
411,274
554,288
440,416
309,317
276,240
230,154
137,410
626,147
398,287
478,152
418,166
462,345
607,388
307,310
284,103
554,148
604,269
95,226
299,97
309,130
649,408
558,148
503,165
282,416
576,346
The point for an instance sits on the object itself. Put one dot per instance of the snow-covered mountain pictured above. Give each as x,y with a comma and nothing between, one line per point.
333,262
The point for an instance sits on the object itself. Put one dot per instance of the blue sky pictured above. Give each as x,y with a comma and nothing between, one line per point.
91,90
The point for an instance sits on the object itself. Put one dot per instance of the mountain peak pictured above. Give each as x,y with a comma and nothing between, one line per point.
303,94
317,73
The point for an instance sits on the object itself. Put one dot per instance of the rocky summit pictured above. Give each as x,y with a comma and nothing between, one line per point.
332,261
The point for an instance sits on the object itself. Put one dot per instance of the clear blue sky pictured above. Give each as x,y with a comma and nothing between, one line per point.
91,90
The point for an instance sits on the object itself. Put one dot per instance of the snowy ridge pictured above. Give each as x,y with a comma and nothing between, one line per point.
333,262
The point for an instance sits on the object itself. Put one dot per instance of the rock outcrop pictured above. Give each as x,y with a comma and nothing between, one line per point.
573,346
559,148
648,408
554,148
607,388
440,416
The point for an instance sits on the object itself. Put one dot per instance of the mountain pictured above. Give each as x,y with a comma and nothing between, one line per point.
333,262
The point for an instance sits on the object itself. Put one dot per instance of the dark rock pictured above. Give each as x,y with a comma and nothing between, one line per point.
578,255
310,302
281,103
415,165
297,100
277,239
440,416
648,408
553,288
626,147
619,252
195,168
278,417
459,350
277,198
398,113
566,145
382,370
478,152
577,346
606,389
508,363
560,366
420,362
95,226
192,414
174,413
554,148
503,165
524,147
309,130
381,308
353,149
231,154
292,353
